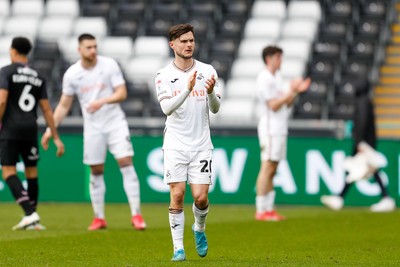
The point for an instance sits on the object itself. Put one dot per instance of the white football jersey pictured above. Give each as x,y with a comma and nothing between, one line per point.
187,128
95,83
269,87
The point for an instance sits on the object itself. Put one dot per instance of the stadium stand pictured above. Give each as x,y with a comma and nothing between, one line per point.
332,41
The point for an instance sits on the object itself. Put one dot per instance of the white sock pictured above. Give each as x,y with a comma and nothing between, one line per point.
270,201
132,189
97,190
177,225
199,218
260,203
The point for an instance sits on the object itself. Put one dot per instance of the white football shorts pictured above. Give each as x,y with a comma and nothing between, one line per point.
117,140
273,147
193,167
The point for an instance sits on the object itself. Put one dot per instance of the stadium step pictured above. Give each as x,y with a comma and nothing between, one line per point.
378,100
390,70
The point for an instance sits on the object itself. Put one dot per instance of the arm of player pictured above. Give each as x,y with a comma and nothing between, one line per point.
48,116
214,102
169,105
3,102
60,112
119,95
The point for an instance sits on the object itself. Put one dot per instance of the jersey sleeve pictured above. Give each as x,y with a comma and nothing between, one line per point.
116,76
266,88
163,90
68,85
3,79
217,88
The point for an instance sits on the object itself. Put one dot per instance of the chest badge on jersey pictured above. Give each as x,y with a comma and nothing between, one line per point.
200,76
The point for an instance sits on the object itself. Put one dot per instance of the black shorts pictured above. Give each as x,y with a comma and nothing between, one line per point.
11,150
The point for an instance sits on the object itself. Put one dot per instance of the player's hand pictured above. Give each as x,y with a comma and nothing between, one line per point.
210,83
60,147
45,139
94,106
304,85
192,80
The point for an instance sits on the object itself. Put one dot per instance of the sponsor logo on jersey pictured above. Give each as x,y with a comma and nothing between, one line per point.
194,93
200,76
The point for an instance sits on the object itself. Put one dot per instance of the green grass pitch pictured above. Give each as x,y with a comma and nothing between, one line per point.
311,236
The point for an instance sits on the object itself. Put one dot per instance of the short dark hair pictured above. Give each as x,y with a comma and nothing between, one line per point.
177,30
270,51
22,45
85,36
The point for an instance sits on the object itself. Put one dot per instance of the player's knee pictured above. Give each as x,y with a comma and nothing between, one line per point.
177,197
201,201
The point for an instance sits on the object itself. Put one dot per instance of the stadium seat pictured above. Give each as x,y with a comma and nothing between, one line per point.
375,9
330,49
27,8
22,25
247,68
341,109
269,9
206,8
4,61
334,29
346,87
323,67
304,9
4,8
159,26
223,47
96,9
368,28
300,28
241,89
341,9
96,26
119,48
308,108
262,28
319,89
230,27
125,27
156,46
295,48
170,9
62,8
235,8
69,48
52,28
252,47
362,47
203,26
142,70
356,66
222,65
236,111
5,44
292,68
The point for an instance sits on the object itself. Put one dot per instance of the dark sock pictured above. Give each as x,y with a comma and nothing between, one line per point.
20,194
345,189
378,179
33,191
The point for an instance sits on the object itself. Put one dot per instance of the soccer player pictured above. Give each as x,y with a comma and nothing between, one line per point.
363,131
187,90
99,85
274,102
22,90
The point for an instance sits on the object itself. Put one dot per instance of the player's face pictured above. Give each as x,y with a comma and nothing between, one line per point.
275,61
88,50
184,45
